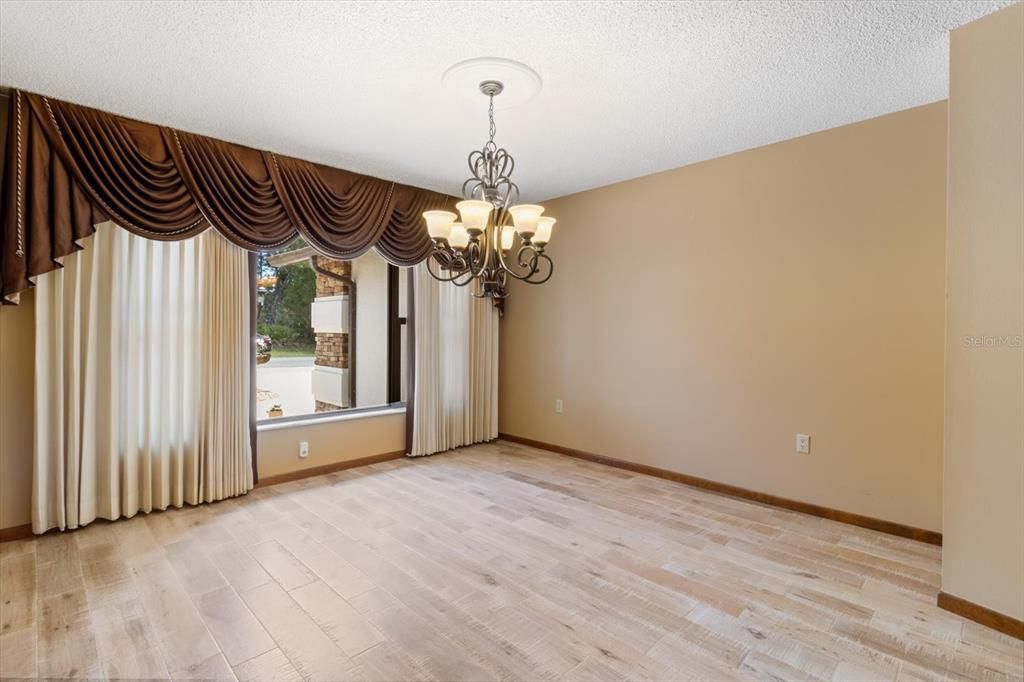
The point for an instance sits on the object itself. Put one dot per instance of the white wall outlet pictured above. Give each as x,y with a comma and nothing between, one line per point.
558,406
803,443
303,448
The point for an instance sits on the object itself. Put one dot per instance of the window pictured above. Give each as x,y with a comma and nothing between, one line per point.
330,333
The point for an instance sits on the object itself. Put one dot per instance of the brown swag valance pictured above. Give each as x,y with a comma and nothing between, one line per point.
69,167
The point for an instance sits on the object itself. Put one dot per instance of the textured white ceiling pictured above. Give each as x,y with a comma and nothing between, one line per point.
630,88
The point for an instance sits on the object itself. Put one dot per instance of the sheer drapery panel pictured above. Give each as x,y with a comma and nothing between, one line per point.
455,387
142,378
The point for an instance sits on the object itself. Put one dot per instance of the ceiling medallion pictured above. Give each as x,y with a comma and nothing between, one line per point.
493,237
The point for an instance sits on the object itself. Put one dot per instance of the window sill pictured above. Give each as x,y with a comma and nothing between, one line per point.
341,416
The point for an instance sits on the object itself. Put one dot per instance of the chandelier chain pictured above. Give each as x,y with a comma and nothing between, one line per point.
490,116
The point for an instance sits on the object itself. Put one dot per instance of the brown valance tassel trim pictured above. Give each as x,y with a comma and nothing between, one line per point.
69,167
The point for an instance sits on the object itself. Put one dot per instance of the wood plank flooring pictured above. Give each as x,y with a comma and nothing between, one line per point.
492,562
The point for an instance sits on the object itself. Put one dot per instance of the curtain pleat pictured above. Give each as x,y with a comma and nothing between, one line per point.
455,387
142,378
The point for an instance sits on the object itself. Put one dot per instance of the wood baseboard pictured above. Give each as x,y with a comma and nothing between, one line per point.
920,534
981,614
329,468
16,532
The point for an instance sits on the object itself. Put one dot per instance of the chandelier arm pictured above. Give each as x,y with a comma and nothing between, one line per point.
506,201
531,264
508,163
477,184
491,167
485,285
501,217
450,266
512,187
464,272
551,268
502,289
466,265
476,264
474,160
503,264
431,264
462,283
487,247
502,161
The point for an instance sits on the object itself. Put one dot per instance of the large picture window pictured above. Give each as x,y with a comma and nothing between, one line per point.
330,333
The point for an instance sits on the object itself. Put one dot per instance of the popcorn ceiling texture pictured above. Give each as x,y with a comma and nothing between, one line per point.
630,88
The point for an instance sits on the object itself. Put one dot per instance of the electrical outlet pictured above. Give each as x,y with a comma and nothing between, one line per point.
803,443
303,448
558,406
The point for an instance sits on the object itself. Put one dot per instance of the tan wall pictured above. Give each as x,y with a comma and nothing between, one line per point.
329,442
983,525
698,319
17,370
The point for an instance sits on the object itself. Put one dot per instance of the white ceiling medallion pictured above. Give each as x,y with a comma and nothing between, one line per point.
521,83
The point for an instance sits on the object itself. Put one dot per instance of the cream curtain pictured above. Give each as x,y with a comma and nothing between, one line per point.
142,378
455,389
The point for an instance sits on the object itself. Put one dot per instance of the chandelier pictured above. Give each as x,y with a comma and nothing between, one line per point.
492,238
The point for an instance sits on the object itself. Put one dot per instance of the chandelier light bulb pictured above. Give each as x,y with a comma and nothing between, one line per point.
475,214
439,223
458,237
526,217
544,226
508,235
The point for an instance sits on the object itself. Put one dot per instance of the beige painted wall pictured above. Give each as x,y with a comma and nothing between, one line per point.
698,319
983,520
330,442
17,368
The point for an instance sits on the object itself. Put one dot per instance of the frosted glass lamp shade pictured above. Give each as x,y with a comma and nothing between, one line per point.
439,223
475,214
525,217
508,235
458,237
544,226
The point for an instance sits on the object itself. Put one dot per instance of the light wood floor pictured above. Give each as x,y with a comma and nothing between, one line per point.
496,561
